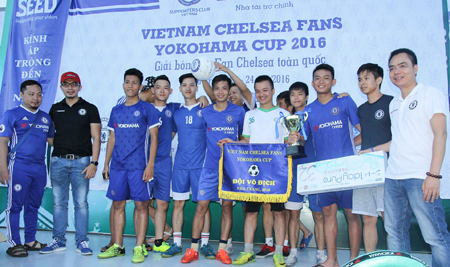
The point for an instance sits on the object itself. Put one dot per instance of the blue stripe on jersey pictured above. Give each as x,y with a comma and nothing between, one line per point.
191,130
131,125
165,130
16,122
330,127
219,125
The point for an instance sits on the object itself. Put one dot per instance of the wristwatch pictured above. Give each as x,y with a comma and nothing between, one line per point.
94,162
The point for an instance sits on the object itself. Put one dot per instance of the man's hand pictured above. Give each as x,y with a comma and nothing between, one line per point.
224,141
105,173
220,67
4,176
341,95
430,188
148,174
293,137
90,171
203,101
364,151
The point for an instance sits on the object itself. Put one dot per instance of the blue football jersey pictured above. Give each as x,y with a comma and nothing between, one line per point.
190,126
16,122
131,126
165,115
330,127
219,125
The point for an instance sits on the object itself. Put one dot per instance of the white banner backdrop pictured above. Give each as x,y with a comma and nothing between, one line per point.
283,39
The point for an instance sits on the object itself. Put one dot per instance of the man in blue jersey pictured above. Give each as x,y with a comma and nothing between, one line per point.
298,98
25,172
163,161
329,126
223,120
130,125
191,129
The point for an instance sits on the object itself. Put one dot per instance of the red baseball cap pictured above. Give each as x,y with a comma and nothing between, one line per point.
70,75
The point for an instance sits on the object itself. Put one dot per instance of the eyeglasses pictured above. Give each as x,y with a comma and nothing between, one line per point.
67,85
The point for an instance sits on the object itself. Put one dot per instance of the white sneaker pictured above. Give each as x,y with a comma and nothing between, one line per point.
321,259
291,260
229,249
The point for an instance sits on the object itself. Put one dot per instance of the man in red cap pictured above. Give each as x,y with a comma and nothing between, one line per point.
74,161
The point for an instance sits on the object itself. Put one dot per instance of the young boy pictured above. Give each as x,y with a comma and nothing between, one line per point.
132,171
375,130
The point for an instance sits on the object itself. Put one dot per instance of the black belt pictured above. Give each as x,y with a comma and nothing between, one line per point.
70,156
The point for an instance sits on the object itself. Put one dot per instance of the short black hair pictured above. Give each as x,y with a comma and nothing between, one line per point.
301,86
162,77
187,75
324,67
134,72
376,70
26,83
221,78
263,78
285,95
412,56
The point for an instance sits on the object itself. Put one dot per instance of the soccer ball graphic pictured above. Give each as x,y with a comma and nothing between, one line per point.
253,170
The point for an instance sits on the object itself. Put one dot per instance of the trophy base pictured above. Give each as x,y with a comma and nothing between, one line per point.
296,152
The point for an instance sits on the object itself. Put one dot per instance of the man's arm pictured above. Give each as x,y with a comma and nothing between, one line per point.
91,169
239,83
244,140
384,147
149,170
4,172
50,141
358,139
431,185
109,151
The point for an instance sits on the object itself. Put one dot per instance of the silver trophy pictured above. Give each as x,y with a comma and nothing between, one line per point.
294,123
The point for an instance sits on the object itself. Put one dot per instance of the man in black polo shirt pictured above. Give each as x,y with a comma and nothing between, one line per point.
76,123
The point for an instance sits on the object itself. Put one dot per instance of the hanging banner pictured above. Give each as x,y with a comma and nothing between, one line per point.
35,45
255,172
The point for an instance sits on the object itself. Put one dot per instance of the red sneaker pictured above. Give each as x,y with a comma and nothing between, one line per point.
265,251
191,255
286,251
222,256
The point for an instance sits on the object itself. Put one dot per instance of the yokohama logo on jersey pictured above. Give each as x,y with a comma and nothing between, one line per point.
132,125
332,124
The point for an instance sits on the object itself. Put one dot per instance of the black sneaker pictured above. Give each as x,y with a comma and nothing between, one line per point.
266,250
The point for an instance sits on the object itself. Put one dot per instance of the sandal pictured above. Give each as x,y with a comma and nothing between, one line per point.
105,248
305,241
34,246
167,235
17,251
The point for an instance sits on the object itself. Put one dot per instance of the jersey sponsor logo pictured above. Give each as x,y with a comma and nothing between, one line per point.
44,120
136,113
168,113
379,114
2,128
40,126
17,187
60,110
335,111
104,135
24,118
126,125
333,124
199,113
413,105
225,130
82,111
229,119
251,120
23,125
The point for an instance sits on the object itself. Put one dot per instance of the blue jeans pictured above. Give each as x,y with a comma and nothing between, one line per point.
63,172
401,198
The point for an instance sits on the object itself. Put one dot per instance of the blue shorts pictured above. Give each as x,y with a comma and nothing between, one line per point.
185,181
208,185
125,184
344,199
163,176
313,203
